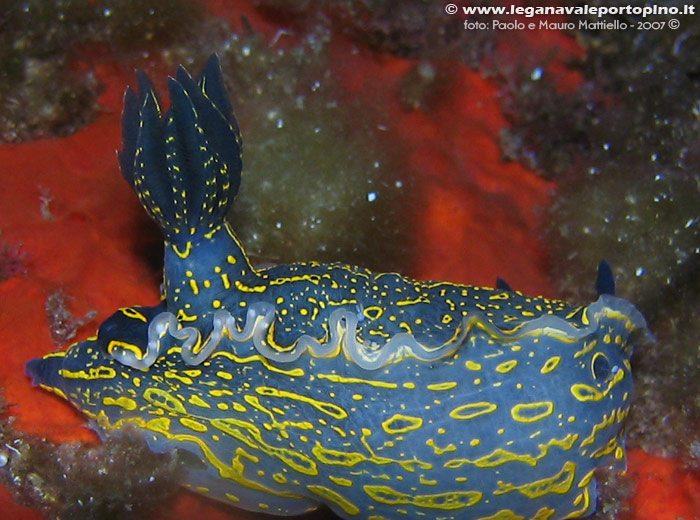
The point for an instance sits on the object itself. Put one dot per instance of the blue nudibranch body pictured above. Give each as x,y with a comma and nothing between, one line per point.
306,384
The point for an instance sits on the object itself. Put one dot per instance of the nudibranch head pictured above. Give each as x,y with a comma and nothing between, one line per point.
378,395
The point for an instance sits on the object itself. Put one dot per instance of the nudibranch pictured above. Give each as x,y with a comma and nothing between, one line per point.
298,385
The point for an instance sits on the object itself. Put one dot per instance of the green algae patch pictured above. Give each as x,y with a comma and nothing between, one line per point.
322,179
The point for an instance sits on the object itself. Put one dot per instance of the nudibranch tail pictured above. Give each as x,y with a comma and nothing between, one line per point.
185,166
46,372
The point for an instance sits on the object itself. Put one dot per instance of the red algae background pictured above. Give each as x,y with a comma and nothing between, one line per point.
80,229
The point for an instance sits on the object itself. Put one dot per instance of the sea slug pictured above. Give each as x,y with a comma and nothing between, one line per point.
306,384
